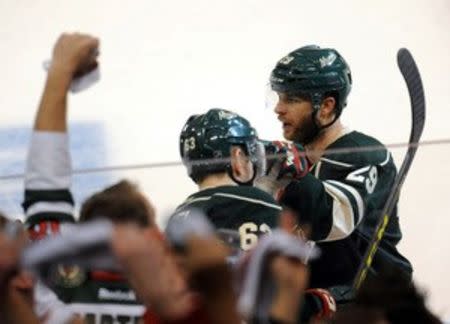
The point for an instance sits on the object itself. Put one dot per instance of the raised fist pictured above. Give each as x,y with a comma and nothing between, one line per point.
75,53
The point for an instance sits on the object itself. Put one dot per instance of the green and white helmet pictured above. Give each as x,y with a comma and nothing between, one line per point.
206,141
313,72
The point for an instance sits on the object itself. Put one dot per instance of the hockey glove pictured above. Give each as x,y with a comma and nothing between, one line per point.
318,305
284,162
287,159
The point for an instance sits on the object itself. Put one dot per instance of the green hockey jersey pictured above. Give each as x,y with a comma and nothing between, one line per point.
248,210
342,199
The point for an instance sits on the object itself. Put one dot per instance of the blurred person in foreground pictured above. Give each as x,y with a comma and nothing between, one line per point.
16,286
389,299
19,288
100,295
10,249
273,278
190,281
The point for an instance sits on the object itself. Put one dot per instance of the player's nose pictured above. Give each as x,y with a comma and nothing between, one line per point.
280,108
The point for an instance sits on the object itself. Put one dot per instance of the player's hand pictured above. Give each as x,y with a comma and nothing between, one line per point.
287,160
75,53
284,162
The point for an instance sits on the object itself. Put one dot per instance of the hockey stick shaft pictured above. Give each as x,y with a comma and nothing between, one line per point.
413,81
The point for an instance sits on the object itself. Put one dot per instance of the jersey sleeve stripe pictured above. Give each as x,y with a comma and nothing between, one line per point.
33,197
48,179
343,216
51,207
317,169
348,208
386,161
353,195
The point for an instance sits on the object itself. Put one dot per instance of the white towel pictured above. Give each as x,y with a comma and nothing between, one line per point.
258,287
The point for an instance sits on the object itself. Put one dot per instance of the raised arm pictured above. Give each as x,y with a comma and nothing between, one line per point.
48,200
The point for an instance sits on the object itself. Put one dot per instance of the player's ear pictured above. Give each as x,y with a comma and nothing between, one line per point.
239,162
236,160
327,110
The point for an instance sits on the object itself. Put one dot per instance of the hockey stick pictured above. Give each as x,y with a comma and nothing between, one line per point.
411,74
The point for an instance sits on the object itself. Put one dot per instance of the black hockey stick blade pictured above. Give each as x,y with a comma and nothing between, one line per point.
411,74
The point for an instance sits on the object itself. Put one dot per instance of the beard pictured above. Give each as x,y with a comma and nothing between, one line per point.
307,131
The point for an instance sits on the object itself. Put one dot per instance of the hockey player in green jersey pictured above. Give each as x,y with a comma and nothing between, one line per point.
341,198
223,156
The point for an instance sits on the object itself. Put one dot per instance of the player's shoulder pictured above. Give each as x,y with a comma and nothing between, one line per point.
362,150
243,194
246,193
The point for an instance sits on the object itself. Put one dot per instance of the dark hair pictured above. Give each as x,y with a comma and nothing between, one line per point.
299,95
120,203
392,295
338,107
3,220
199,175
307,97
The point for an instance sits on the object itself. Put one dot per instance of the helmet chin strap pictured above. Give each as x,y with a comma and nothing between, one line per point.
316,129
336,116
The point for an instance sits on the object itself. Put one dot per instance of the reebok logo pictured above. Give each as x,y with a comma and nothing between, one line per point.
104,293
